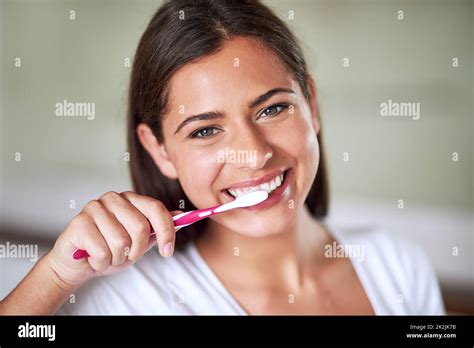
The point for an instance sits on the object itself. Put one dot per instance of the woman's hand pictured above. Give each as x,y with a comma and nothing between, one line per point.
115,231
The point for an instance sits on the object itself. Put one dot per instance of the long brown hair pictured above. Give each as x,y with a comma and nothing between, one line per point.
181,32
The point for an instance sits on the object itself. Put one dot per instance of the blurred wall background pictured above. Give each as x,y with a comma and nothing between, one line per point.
362,53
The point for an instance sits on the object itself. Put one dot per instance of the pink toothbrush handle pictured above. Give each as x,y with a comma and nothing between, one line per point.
180,220
192,216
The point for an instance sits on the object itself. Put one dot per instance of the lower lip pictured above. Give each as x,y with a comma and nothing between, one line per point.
275,196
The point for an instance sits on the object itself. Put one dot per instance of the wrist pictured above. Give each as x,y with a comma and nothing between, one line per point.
59,282
41,292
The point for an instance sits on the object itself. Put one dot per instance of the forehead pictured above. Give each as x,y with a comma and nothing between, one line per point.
240,71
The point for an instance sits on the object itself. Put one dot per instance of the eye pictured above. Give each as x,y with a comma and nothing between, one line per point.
205,132
273,110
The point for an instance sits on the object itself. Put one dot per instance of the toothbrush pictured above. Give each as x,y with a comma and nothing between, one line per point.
190,217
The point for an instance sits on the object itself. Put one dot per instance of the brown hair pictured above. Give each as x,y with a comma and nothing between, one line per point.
181,32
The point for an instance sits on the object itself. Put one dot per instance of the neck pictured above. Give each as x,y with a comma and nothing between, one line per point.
276,260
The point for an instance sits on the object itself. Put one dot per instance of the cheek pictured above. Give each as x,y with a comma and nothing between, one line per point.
309,157
301,145
197,169
309,150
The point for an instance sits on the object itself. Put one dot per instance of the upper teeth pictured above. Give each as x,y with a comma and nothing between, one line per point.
268,186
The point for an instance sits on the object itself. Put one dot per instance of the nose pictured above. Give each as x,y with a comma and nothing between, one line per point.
251,148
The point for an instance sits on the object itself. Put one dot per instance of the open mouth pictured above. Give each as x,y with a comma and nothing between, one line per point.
269,186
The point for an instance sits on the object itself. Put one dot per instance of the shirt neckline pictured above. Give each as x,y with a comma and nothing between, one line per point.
359,270
214,278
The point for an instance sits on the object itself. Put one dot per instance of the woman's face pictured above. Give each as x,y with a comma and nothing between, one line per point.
247,137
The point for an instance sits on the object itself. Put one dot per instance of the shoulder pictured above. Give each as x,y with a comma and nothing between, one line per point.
397,272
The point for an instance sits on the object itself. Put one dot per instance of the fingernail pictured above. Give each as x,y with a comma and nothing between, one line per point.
168,249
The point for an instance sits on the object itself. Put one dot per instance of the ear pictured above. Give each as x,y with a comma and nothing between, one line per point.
156,150
313,103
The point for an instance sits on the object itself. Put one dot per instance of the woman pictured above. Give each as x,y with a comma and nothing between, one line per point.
213,78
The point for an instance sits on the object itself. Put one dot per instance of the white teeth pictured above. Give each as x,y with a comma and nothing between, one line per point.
278,181
268,186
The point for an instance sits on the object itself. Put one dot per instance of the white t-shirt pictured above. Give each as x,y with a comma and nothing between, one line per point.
396,276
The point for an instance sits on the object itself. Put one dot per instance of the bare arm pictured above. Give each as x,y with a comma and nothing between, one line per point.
41,292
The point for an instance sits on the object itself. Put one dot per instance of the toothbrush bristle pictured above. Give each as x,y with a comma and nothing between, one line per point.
253,198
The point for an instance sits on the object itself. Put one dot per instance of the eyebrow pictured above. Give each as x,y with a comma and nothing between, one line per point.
212,115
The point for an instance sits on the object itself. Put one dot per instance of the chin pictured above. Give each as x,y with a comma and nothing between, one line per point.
260,232
260,224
